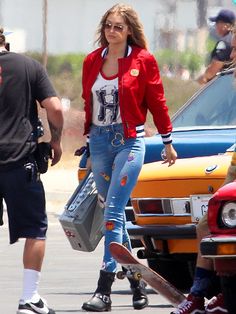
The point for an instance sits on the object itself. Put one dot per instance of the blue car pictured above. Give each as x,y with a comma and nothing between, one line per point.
205,125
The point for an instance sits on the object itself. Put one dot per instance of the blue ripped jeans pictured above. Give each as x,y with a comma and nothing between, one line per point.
116,163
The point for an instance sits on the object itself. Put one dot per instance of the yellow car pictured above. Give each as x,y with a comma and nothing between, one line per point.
168,202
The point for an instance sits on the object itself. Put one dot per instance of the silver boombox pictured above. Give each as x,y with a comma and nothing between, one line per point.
82,219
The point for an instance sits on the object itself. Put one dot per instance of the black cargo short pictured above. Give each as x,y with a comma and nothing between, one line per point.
23,193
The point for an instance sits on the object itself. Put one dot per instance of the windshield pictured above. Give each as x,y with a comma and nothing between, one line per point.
214,106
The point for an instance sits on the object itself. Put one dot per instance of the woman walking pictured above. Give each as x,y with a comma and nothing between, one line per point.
121,81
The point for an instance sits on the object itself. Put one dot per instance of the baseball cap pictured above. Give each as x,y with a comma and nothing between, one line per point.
226,16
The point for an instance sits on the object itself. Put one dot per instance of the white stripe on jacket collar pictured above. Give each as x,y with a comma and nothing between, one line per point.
105,51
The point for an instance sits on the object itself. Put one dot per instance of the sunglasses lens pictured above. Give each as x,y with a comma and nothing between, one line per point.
108,26
116,28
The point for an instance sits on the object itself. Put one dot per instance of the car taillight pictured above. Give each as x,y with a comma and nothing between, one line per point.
160,206
228,215
151,206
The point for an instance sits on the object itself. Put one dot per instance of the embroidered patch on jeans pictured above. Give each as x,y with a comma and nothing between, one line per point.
105,176
124,181
110,225
131,157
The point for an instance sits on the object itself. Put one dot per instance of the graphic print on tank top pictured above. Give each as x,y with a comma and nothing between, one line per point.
106,108
108,99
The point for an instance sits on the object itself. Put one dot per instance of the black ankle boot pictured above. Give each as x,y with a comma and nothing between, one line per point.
140,299
101,301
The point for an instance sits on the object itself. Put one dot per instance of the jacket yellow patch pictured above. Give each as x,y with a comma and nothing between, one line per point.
134,72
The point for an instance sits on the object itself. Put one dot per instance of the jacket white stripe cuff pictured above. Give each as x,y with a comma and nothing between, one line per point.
166,138
140,131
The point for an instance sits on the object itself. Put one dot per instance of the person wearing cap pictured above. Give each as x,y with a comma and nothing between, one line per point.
220,55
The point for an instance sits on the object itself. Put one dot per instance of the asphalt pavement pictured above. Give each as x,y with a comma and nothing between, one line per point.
69,277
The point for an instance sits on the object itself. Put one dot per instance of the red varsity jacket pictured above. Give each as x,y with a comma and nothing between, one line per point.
140,89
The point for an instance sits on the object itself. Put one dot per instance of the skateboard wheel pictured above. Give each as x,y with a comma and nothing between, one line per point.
120,275
137,276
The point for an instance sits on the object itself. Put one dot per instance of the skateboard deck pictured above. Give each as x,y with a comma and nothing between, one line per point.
138,271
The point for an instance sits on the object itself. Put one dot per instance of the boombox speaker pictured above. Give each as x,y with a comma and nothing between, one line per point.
82,219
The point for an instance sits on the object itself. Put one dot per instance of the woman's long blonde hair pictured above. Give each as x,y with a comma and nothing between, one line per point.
131,18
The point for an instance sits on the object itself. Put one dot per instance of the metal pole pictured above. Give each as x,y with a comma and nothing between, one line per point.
45,20
201,13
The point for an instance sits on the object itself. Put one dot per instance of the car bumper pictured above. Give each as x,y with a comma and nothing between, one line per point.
162,232
219,247
223,250
164,239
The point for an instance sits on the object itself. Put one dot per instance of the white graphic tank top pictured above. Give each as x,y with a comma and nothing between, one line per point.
106,109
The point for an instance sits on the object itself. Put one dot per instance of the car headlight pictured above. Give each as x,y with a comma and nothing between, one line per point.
228,215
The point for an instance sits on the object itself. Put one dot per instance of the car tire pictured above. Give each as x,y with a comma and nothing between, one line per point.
228,284
178,273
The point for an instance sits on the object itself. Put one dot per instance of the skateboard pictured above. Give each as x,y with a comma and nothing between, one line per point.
137,271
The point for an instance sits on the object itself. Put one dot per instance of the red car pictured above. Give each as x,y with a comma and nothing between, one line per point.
220,245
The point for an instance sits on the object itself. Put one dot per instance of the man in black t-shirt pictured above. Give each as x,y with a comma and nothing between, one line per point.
23,83
220,56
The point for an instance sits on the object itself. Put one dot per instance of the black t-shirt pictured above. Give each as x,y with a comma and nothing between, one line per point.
222,50
23,81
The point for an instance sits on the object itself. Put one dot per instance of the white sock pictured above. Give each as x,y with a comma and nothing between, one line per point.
31,280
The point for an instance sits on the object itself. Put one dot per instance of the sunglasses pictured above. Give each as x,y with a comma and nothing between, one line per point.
116,28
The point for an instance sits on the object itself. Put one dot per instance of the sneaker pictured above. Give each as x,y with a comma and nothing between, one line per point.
192,305
39,307
216,305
